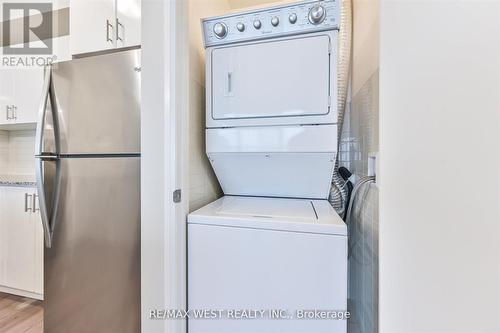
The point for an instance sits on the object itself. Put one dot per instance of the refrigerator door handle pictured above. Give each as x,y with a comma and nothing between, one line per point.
42,110
48,220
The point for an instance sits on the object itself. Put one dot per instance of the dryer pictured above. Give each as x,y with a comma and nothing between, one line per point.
271,99
276,81
273,242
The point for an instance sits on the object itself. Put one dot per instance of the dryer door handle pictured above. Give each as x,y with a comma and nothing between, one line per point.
229,84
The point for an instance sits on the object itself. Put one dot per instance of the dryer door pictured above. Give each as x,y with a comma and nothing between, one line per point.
285,81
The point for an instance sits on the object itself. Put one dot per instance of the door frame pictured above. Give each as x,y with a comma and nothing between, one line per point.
164,166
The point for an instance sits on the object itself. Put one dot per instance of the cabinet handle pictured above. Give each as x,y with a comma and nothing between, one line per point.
35,199
26,208
108,26
118,25
14,113
9,109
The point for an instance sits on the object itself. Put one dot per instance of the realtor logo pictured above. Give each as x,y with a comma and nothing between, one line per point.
24,23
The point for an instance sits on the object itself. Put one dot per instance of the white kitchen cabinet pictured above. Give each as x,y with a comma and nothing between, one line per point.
20,91
28,84
92,25
21,243
6,95
99,25
21,87
128,23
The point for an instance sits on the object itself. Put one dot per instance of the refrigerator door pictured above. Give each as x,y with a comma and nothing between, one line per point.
92,271
98,104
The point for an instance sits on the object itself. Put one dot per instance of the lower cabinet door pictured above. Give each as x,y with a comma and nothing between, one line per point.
21,248
2,235
39,248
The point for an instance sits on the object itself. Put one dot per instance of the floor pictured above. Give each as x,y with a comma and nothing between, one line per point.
20,314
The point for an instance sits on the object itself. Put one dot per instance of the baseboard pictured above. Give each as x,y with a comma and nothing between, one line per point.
21,293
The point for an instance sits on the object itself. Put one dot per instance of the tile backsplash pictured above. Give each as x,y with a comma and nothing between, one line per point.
360,135
4,152
17,150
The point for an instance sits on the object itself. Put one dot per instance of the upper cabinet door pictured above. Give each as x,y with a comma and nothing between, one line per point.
6,96
39,247
128,23
93,24
28,84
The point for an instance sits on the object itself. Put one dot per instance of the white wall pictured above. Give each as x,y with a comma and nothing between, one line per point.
440,166
360,137
243,5
203,185
365,42
163,120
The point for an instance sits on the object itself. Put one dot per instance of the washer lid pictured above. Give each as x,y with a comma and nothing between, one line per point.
298,215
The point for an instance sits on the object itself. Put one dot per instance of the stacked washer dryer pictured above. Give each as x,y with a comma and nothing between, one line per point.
273,241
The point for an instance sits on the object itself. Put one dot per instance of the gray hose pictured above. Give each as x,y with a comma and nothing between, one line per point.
338,190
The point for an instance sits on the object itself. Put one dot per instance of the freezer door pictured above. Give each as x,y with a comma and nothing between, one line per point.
47,130
92,271
98,103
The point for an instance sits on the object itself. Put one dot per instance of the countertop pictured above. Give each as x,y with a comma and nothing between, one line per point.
17,180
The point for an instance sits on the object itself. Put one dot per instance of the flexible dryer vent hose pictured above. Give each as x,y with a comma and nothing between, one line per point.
338,191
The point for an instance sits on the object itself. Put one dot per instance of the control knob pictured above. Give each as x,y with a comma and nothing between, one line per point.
257,24
220,30
240,26
275,21
292,18
317,14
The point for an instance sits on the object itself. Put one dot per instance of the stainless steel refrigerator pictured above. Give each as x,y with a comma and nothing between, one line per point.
88,176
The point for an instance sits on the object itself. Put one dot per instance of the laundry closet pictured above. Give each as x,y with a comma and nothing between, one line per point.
265,147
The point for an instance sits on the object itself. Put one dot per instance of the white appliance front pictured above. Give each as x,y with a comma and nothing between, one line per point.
274,161
297,262
282,81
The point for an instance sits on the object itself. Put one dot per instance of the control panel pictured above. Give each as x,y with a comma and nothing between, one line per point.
292,19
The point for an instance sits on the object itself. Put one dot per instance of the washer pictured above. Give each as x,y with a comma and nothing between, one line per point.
250,253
